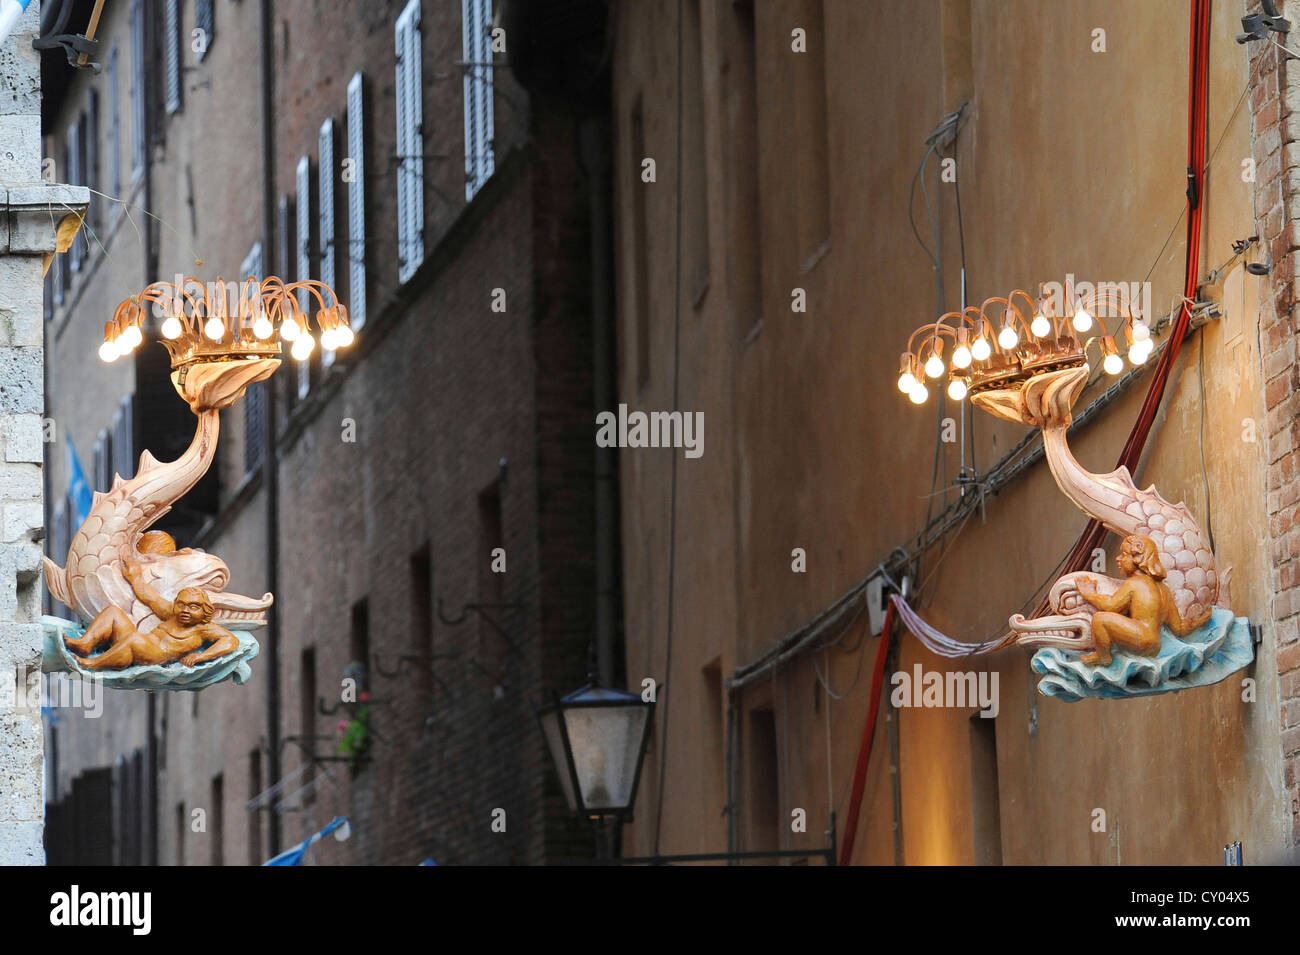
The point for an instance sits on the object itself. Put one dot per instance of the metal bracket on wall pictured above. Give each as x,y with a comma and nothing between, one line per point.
478,608
414,658
77,47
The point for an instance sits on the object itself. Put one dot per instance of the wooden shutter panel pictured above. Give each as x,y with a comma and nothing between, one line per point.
410,143
91,138
114,130
74,179
326,173
325,193
356,205
99,469
204,20
137,86
124,439
476,24
304,259
255,396
172,52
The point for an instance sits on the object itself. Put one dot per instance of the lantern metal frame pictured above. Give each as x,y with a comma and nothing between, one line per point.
557,704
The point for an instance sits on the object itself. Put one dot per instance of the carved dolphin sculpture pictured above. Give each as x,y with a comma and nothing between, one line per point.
1045,402
91,578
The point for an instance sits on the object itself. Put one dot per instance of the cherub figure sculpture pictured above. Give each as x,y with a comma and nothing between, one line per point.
186,625
1132,615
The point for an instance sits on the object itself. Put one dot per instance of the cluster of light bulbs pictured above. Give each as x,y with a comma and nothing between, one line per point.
912,380
265,302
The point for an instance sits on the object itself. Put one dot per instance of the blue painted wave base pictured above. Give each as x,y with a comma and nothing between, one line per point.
156,676
1218,648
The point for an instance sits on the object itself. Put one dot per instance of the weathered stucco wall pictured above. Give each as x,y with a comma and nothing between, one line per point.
28,211
1070,161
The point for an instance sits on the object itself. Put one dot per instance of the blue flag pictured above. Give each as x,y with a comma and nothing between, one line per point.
79,495
294,856
10,12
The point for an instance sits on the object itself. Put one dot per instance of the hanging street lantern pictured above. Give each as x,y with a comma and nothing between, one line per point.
597,736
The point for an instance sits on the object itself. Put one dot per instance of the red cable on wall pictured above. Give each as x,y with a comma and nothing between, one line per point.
868,736
1197,85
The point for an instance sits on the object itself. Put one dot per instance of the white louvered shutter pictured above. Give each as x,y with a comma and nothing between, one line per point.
203,20
114,131
325,198
172,52
476,26
137,87
304,259
255,396
356,206
91,140
410,143
74,178
124,438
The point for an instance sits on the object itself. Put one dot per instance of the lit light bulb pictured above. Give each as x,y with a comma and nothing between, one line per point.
215,329
981,349
344,336
262,328
289,329
329,339
1008,338
121,347
108,352
1040,326
1137,354
957,389
302,347
906,382
132,338
934,366
1082,320
919,394
961,357
1112,364
171,327
1140,332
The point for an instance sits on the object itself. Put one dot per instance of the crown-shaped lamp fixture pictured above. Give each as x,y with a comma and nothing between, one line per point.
1001,344
229,321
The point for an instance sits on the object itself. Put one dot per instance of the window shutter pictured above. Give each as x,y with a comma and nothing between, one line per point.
204,20
114,130
326,227
356,206
73,155
124,438
410,143
476,25
255,396
304,259
92,154
325,192
137,87
99,474
172,52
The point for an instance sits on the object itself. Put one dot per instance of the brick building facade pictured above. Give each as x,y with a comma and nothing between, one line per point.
395,155
1275,114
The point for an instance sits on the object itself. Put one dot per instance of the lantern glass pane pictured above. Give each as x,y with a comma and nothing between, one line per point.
606,744
555,743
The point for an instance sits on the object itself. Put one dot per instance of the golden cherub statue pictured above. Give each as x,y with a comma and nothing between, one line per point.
185,626
1132,615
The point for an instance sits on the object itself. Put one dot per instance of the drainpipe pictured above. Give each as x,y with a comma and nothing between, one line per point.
594,135
270,453
150,275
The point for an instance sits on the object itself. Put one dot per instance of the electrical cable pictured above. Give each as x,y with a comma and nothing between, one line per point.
868,738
